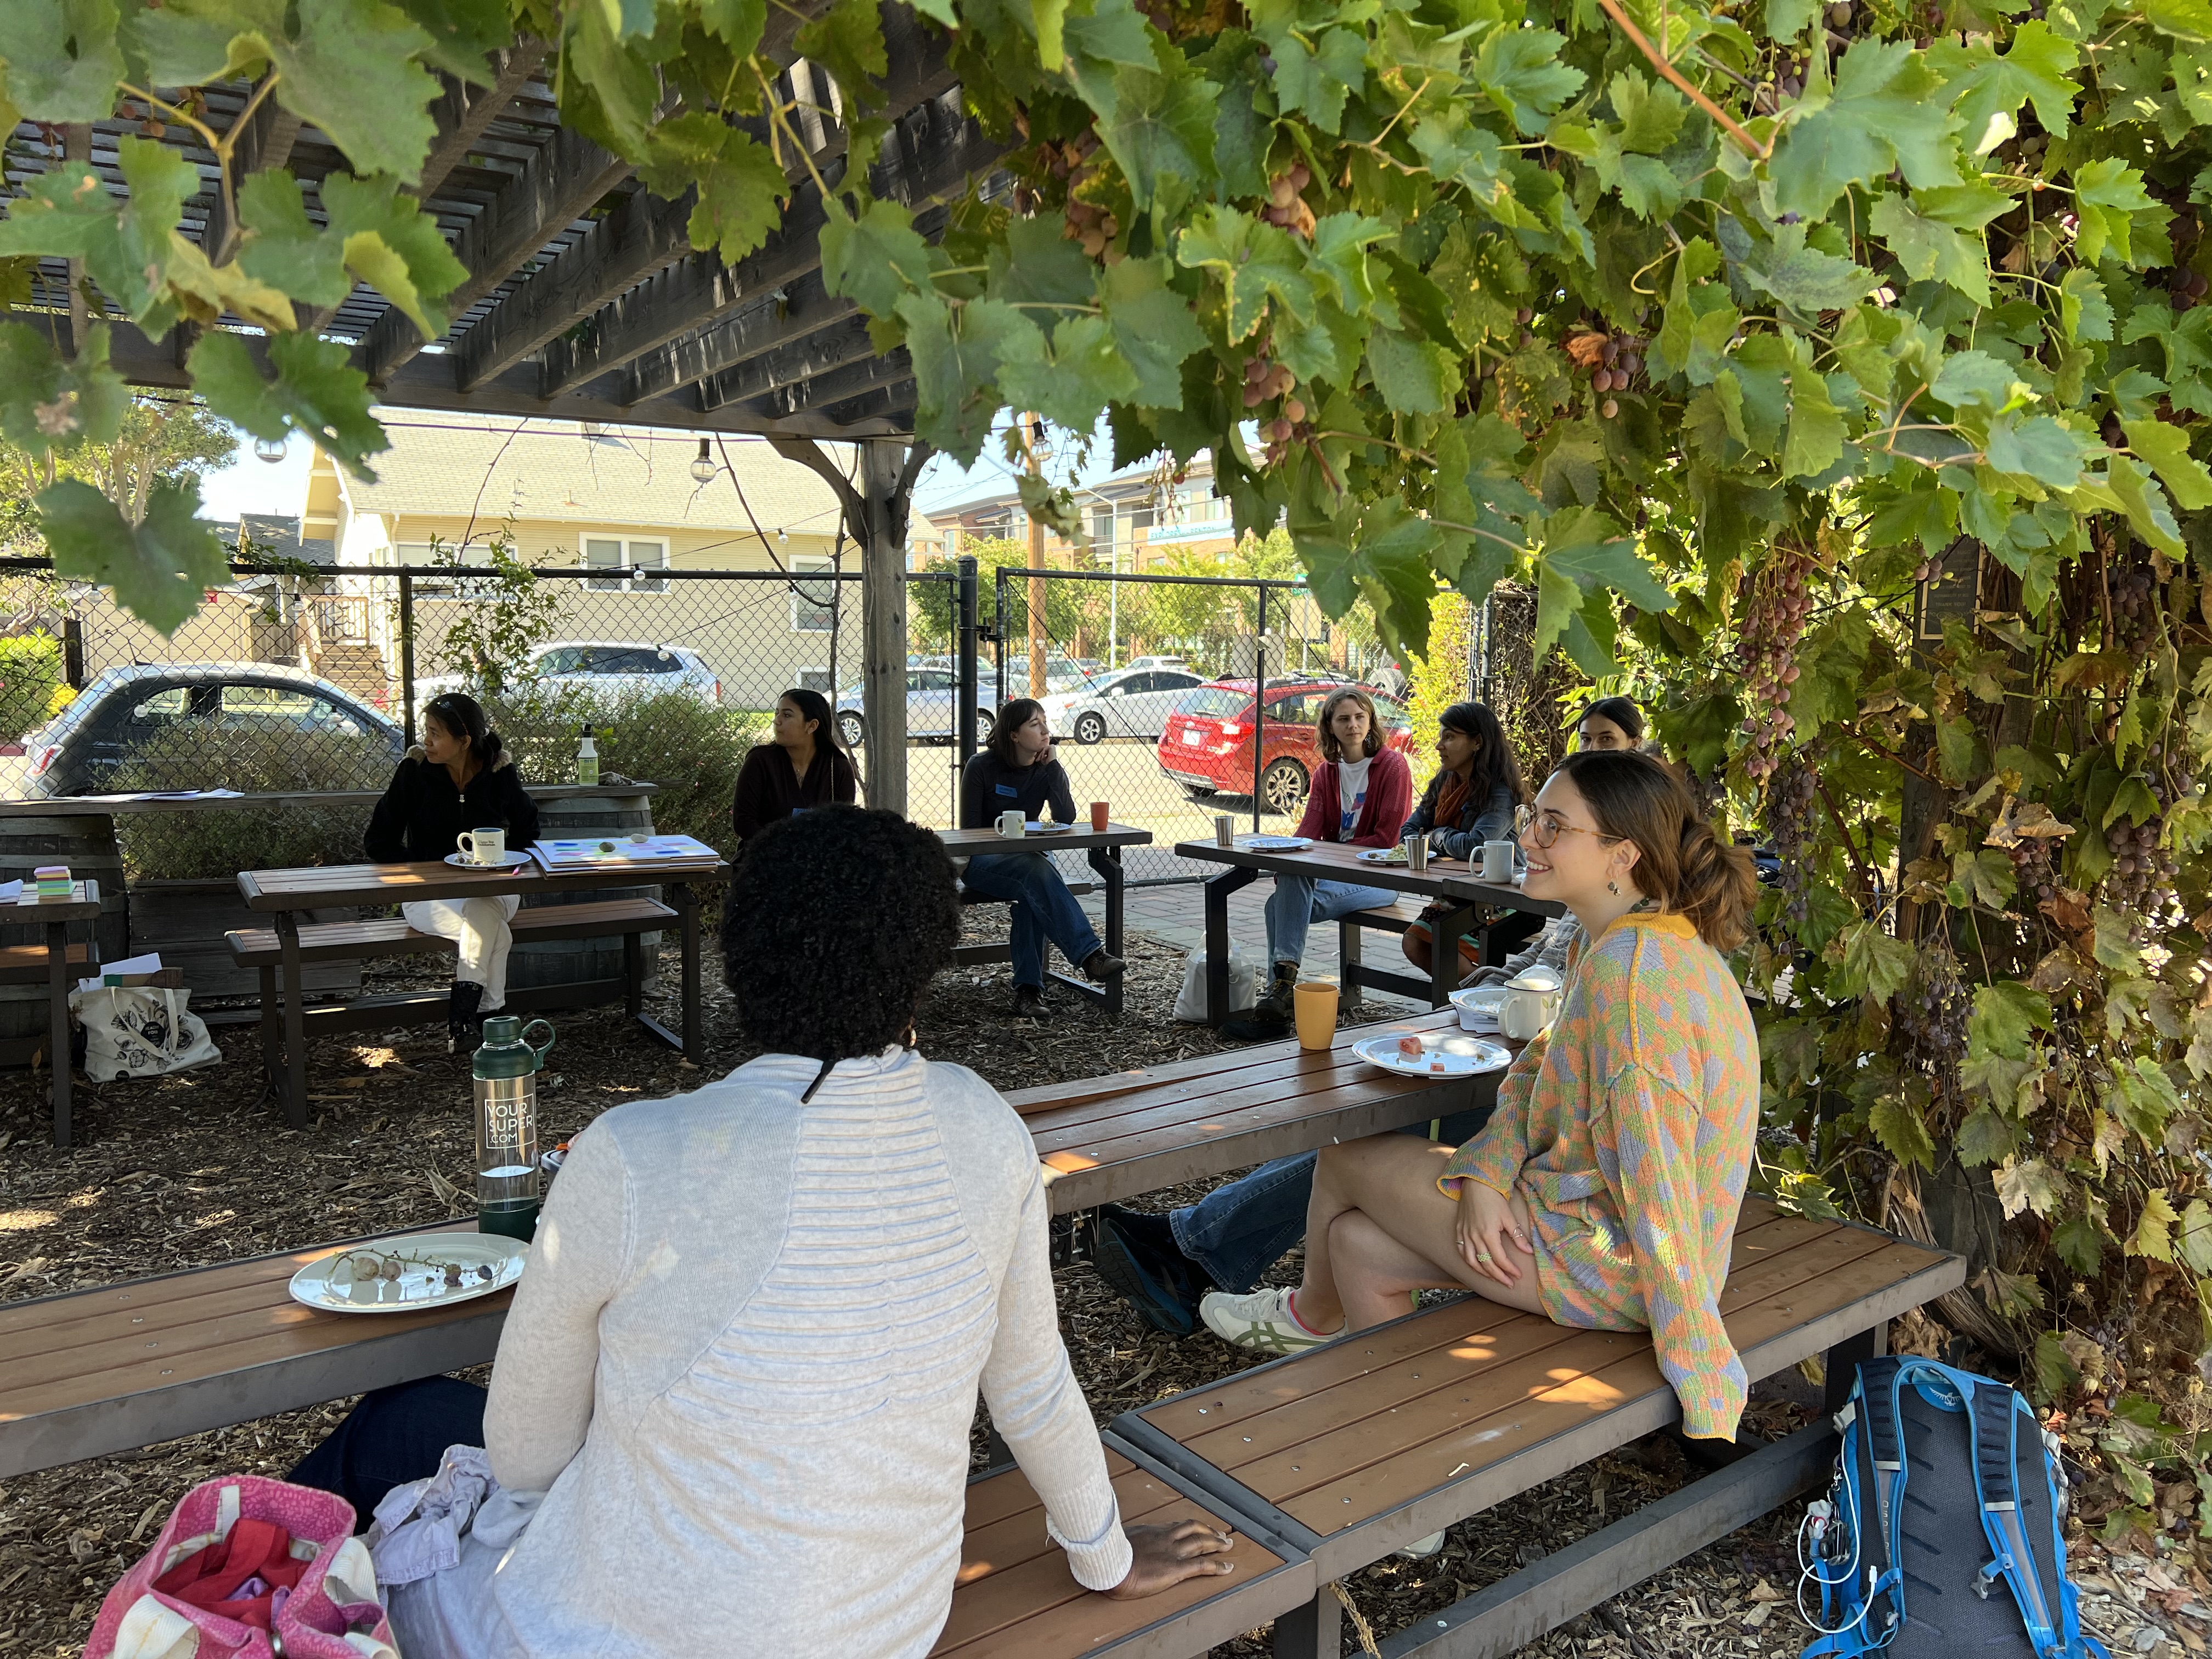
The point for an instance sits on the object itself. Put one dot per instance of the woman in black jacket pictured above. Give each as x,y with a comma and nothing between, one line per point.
1469,801
457,780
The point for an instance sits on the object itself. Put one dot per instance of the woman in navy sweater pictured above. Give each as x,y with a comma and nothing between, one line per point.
1016,771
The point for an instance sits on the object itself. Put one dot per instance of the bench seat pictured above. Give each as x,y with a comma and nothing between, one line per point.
362,941
27,964
1016,1598
1351,1451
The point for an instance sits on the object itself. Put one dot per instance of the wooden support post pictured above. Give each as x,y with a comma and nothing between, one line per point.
882,536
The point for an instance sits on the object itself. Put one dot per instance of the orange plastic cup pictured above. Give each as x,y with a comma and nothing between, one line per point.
1315,1003
1098,819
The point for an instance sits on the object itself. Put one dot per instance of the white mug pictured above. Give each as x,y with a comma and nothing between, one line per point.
1011,823
481,845
1497,860
1530,1004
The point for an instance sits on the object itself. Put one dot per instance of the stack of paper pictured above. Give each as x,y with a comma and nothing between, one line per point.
131,970
665,853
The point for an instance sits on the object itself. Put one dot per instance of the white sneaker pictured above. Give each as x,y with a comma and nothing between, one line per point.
1422,1548
1261,1321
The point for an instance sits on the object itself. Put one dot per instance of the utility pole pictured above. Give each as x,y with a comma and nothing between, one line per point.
1036,562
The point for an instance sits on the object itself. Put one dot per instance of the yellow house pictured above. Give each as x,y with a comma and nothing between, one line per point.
625,511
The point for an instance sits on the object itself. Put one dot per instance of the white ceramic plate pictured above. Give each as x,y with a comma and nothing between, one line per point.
1443,1054
1275,843
504,861
434,1269
1382,855
1035,828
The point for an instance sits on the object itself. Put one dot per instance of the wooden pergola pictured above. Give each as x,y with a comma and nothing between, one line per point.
585,302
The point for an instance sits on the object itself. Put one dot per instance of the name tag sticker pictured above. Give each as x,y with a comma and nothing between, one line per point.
1008,789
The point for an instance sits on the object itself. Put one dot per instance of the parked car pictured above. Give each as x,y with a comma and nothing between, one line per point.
1133,703
609,667
1207,747
190,714
932,708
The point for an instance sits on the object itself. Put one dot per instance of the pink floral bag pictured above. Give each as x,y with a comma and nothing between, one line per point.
251,1567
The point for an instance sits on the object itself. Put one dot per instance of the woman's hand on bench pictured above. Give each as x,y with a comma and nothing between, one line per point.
1165,1556
1485,1226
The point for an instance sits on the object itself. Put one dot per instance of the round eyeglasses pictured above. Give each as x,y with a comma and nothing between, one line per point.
1543,830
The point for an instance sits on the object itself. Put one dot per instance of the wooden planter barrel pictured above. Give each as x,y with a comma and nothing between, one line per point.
86,844
579,961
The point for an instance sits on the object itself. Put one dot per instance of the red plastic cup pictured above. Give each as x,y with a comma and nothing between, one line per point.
1098,819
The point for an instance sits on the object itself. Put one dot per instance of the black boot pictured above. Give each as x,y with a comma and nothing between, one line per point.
464,1025
1101,966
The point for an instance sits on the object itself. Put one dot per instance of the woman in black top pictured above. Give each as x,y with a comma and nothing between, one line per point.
800,766
1471,799
1016,772
457,780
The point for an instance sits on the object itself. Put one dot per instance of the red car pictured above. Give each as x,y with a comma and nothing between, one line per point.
1207,747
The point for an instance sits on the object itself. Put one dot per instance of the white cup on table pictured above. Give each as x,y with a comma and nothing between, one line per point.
481,845
1011,824
1497,860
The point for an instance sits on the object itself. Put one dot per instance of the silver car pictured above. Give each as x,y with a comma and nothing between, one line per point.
611,667
1133,703
933,708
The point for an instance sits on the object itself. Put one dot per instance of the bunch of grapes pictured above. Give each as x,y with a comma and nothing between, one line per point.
2134,589
2172,773
1791,796
1781,595
2187,288
2140,885
1264,378
1928,1018
1613,360
1285,205
2033,875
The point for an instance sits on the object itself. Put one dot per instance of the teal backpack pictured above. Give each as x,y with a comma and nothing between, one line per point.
1943,1534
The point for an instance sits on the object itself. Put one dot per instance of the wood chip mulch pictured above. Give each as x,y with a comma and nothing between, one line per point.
184,1171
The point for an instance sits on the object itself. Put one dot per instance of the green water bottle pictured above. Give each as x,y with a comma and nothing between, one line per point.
505,1072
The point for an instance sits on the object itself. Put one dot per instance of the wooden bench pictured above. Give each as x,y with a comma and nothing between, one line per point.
259,948
1349,1451
1016,1600
1496,939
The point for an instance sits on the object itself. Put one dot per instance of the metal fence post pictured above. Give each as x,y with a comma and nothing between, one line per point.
407,652
73,652
966,596
1260,708
999,629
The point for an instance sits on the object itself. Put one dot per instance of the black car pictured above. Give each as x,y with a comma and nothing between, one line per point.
237,726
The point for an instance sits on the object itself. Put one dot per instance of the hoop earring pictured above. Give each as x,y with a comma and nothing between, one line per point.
910,1039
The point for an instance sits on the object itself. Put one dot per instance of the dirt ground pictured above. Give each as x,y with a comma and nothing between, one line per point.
184,1171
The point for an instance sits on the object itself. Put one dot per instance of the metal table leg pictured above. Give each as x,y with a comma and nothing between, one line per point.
58,1025
1217,890
1107,861
295,1089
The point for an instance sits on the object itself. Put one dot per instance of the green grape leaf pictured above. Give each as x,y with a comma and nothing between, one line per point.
1975,380
203,292
2192,1241
1810,282
738,23
1897,1123
2079,1246
1152,326
1256,261
2107,195
957,351
875,259
1037,264
2084,311
61,58
2185,20
1316,70
1929,250
463,34
125,245
1072,384
48,403
1873,963
2029,1184
1519,71
2167,449
1651,115
1986,89
1815,439
1413,376
317,389
610,90
2039,446
158,568
848,40
283,247
2149,514
2006,1016
1786,19
1161,135
1881,113
1591,551
736,177
1338,256
2153,1237
1985,1138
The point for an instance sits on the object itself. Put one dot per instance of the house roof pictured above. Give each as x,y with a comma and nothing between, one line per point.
280,534
1139,481
490,466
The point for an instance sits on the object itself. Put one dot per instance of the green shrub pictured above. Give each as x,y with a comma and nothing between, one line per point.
692,749
30,676
204,844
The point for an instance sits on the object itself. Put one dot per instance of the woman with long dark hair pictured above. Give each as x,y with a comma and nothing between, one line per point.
1471,799
1603,1191
1015,771
459,778
732,1403
1610,723
800,766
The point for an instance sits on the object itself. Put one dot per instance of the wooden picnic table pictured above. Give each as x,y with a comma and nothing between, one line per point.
87,806
285,894
55,916
1104,848
90,1372
1449,880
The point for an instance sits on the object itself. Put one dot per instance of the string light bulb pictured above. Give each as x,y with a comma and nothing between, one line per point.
703,468
270,449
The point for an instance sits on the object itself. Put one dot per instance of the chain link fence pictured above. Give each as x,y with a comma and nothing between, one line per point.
304,680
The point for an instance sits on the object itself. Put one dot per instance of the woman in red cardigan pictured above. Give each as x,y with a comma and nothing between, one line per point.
1361,796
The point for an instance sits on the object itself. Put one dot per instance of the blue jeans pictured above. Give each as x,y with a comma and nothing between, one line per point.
1239,1230
1300,901
1043,909
391,1437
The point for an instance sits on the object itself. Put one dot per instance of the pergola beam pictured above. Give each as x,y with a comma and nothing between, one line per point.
786,369
769,323
464,113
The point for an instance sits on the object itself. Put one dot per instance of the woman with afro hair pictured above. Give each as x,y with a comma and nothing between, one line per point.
733,1398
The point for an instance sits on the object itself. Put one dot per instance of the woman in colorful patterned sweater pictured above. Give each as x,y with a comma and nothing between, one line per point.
1603,1191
